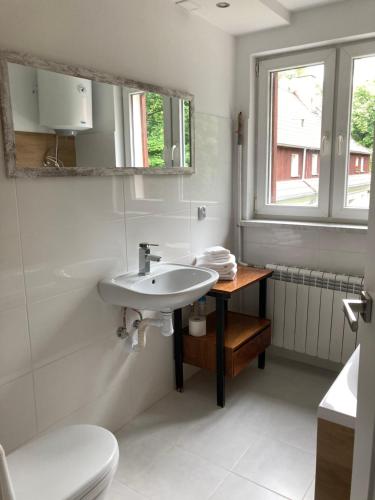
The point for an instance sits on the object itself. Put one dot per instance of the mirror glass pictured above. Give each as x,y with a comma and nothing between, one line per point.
62,121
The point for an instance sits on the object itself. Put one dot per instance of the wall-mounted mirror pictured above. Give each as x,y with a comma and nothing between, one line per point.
63,120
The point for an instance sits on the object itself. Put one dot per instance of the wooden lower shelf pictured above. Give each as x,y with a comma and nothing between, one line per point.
245,338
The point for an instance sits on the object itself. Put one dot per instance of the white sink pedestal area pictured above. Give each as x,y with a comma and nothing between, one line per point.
166,288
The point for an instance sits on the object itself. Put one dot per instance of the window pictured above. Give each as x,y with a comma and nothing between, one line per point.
305,166
314,164
159,132
363,168
147,129
294,165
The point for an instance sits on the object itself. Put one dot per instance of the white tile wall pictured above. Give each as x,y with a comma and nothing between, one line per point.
17,412
325,249
15,356
336,251
58,238
12,292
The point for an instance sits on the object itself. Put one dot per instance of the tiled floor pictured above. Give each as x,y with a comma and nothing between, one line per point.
261,446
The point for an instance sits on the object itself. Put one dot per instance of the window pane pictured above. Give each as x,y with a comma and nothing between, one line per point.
147,122
314,164
186,134
155,129
296,122
294,167
358,178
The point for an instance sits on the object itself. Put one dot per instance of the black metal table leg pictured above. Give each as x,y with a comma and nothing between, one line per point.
178,350
262,360
226,312
220,355
262,314
262,298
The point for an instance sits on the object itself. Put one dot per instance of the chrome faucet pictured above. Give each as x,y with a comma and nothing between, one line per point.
145,257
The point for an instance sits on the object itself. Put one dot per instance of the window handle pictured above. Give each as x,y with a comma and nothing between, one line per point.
173,149
340,143
325,139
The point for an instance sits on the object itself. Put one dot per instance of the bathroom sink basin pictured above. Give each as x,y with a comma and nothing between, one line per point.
167,287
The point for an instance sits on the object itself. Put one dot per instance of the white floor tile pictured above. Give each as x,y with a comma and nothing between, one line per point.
157,430
278,467
120,491
179,475
223,439
139,448
238,488
295,425
184,446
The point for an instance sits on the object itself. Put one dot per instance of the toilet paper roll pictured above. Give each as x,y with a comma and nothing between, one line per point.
197,326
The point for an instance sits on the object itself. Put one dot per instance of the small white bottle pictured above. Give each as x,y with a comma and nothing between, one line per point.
197,321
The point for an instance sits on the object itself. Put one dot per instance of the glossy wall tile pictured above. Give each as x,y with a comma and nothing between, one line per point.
324,249
59,237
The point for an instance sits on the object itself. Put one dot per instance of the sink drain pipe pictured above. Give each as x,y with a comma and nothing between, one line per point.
135,336
165,324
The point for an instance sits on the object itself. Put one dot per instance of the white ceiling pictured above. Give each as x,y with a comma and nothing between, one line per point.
246,16
305,4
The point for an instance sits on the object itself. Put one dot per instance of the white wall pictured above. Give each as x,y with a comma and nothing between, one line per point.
59,358
306,247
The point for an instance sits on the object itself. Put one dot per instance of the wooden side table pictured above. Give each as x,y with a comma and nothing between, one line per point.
232,339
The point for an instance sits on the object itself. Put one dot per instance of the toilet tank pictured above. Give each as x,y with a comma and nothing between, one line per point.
65,102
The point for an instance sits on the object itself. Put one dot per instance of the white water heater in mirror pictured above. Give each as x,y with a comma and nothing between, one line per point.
65,102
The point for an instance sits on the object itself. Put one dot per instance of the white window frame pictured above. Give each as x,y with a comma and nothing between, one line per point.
266,67
343,118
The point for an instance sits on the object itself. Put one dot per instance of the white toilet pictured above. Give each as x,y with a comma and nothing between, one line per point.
73,463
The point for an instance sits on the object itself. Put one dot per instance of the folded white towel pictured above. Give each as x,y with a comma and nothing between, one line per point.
217,250
222,259
228,276
228,271
205,261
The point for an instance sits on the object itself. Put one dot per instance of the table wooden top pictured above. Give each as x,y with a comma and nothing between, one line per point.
246,276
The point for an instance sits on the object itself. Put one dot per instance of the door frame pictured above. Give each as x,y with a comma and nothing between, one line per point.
363,474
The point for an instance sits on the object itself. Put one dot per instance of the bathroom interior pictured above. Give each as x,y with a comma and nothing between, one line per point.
185,250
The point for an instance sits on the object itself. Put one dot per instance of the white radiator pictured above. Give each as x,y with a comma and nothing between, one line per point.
305,308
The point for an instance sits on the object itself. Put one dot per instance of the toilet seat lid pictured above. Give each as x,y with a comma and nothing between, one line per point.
64,464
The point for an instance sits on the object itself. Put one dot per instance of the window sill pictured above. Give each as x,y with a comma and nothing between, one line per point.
329,226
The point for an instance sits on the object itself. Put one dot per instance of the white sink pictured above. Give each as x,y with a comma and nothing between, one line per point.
167,287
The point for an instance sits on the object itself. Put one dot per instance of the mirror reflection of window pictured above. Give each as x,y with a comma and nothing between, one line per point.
160,130
187,133
147,126
65,121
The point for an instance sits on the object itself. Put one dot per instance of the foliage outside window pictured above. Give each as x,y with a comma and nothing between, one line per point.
155,129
